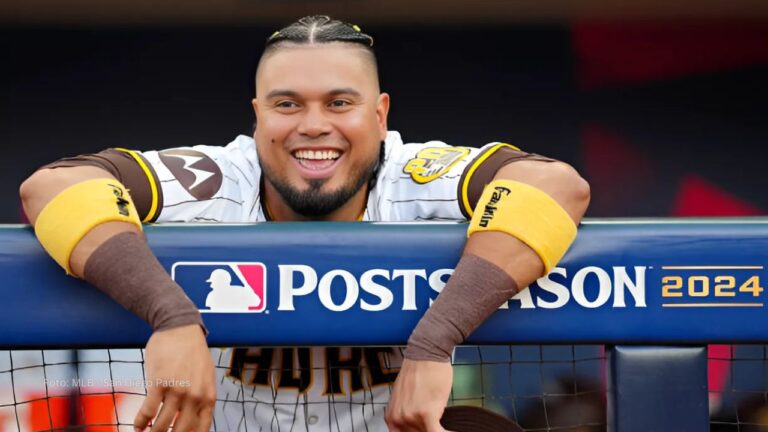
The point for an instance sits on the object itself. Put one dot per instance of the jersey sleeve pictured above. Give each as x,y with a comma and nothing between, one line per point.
436,181
186,184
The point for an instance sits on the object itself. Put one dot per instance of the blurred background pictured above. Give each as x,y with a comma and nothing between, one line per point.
662,105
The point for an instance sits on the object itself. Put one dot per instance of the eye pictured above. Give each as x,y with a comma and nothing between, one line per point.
286,104
339,103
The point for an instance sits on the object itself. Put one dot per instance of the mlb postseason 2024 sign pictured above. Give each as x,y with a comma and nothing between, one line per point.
369,283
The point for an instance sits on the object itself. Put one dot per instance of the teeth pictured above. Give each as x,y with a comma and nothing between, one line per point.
316,154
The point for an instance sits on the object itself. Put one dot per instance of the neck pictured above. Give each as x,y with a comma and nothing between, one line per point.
278,210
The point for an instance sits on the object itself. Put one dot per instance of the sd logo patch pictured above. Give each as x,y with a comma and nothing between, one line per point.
432,162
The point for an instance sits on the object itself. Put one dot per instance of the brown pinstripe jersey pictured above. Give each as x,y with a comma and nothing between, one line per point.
302,389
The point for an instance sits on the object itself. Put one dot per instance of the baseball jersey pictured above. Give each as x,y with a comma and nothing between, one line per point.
302,389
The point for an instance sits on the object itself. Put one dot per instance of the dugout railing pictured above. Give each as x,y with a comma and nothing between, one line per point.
655,292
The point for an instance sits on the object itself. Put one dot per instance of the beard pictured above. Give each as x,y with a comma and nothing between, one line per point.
312,201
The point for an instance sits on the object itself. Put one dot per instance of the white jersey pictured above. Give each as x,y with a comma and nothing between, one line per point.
416,182
306,389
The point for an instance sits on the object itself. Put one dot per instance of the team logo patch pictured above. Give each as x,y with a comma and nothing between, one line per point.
197,173
223,287
432,162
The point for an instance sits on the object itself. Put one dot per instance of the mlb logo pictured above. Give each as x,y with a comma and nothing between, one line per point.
223,287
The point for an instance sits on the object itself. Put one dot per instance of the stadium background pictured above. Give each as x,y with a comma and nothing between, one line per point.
662,107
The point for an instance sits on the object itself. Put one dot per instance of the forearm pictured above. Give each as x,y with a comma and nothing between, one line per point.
496,264
124,268
508,253
113,256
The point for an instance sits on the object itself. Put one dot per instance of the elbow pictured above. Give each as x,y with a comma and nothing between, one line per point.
31,186
42,186
558,179
573,191
32,193
580,192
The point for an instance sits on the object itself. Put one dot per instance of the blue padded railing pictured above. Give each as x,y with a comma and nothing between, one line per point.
623,281
673,284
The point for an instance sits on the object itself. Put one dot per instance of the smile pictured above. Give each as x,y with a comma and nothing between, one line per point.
316,163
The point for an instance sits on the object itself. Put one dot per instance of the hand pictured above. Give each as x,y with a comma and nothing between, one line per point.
180,374
419,396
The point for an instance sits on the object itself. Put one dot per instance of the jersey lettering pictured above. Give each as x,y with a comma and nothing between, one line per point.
367,368
295,369
378,365
255,360
336,363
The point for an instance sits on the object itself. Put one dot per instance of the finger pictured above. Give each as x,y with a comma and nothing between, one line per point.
187,418
434,426
167,414
148,409
421,423
389,420
206,418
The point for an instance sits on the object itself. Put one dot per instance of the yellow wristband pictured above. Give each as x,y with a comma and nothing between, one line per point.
528,214
68,217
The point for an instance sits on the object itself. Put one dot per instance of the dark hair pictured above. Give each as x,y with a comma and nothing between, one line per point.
319,29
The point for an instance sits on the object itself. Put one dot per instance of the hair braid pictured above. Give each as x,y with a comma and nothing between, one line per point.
319,29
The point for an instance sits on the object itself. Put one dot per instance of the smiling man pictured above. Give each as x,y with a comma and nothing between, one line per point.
324,125
321,150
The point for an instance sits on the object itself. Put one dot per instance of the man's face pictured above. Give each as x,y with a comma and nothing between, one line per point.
320,120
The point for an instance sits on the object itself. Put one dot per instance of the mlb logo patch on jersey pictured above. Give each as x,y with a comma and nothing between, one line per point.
432,162
223,287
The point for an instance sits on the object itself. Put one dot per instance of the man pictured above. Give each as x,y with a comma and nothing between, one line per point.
321,151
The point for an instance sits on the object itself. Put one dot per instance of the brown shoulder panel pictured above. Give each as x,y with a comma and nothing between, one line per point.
483,169
125,166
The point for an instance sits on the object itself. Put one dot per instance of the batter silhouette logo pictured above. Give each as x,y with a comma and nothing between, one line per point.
223,287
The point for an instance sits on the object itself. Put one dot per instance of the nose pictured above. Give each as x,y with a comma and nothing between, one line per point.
314,123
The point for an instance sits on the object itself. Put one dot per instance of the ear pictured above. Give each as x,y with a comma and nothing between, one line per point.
255,105
382,110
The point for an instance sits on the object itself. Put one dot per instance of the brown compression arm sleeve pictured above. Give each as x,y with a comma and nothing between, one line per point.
124,268
477,288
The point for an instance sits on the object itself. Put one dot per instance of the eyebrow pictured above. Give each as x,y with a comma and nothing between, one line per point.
283,93
345,90
293,94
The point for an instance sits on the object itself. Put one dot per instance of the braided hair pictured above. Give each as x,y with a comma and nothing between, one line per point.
320,29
